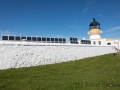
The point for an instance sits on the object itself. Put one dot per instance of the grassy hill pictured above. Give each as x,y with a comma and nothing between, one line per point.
96,73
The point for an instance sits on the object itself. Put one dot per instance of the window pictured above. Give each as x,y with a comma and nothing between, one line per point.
4,37
89,42
11,37
17,38
56,40
39,38
23,37
84,42
99,42
64,40
28,38
94,42
81,41
33,38
48,39
43,39
71,39
108,43
60,40
75,39
52,40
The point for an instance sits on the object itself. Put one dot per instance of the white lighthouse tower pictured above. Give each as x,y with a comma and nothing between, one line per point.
94,30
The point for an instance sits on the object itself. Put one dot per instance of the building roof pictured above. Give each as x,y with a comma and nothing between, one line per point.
94,23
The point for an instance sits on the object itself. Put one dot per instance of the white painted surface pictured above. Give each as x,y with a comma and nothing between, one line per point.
95,36
103,42
24,54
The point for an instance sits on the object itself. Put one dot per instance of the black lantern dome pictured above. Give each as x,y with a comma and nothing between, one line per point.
94,24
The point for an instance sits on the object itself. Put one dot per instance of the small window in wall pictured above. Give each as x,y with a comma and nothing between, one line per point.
52,40
48,39
17,38
28,38
108,43
33,38
38,38
43,39
56,40
76,39
71,39
23,37
89,42
99,42
94,42
11,37
64,40
4,37
60,40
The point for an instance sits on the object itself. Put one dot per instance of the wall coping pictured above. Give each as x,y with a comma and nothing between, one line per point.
13,43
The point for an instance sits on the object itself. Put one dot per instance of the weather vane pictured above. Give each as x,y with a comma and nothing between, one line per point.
93,19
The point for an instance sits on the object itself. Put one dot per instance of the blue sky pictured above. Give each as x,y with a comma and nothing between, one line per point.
59,18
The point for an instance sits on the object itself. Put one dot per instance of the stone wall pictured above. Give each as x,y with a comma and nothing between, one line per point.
24,54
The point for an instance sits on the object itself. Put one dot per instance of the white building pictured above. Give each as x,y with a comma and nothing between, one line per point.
95,36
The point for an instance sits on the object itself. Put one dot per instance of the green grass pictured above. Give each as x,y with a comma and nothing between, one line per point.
96,73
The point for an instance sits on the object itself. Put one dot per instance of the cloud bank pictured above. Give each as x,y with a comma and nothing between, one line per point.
113,29
85,10
74,27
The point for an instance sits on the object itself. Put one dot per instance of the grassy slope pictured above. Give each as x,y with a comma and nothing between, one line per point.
96,73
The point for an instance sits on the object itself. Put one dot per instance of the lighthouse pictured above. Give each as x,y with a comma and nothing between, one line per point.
94,30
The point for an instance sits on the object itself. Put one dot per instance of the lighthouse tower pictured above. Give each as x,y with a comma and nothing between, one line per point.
94,30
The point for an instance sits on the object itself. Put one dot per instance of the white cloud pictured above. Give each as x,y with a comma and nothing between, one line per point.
90,3
85,10
54,35
112,34
6,32
74,27
100,15
118,17
75,21
116,28
113,29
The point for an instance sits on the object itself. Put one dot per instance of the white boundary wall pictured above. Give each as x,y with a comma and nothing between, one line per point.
25,54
